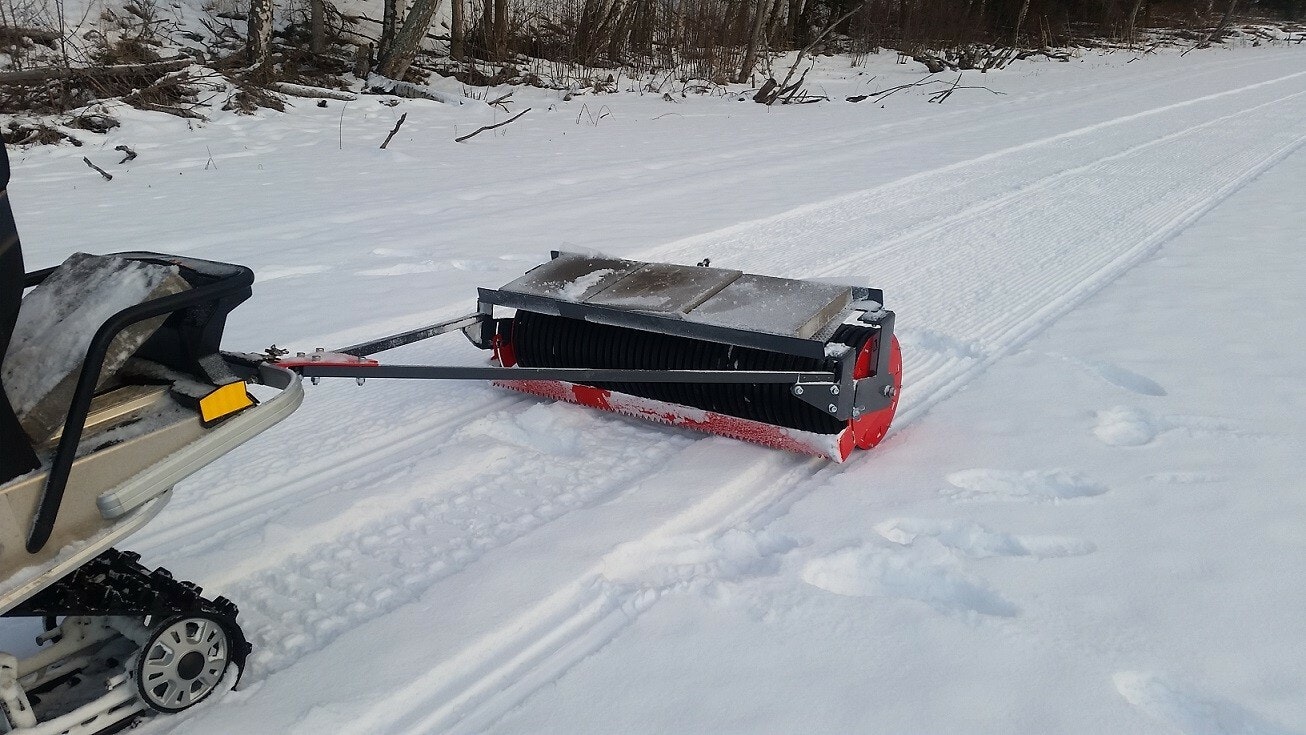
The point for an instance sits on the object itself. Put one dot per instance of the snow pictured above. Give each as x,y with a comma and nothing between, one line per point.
1087,519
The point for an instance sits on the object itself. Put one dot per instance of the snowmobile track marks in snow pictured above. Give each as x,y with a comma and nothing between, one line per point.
1006,328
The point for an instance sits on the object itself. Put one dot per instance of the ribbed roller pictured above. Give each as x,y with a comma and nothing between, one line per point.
540,340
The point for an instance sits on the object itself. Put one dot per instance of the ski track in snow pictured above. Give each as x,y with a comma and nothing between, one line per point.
967,258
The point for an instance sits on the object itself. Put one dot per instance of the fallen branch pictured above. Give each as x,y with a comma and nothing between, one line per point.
886,93
167,81
39,35
107,176
384,85
303,90
186,113
129,154
784,86
478,131
32,76
398,125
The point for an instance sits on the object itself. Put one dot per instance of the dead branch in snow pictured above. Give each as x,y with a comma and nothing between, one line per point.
303,90
937,97
1216,33
398,125
478,131
121,71
941,95
107,176
377,84
784,87
890,91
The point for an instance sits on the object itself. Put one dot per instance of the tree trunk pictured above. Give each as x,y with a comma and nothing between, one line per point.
259,47
317,26
773,23
394,63
500,29
617,38
456,40
587,31
1218,33
1020,21
791,22
754,40
1133,18
389,27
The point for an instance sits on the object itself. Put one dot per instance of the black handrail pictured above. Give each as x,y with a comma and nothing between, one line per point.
66,454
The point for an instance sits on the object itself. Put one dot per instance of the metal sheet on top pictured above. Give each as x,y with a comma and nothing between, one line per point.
572,277
780,314
775,305
663,288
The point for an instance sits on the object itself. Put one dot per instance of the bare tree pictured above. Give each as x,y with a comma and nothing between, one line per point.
390,11
317,25
259,45
1020,22
1218,33
395,60
499,40
456,37
754,39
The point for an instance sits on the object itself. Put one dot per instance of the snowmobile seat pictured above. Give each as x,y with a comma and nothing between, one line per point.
57,322
123,442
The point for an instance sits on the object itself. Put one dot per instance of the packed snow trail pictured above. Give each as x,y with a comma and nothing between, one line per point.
518,537
848,237
996,274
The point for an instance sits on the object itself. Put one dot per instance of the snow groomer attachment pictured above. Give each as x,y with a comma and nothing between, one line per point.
797,365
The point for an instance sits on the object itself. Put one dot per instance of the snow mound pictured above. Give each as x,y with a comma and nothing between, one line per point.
977,542
1032,485
1124,378
1125,427
679,559
911,574
1189,710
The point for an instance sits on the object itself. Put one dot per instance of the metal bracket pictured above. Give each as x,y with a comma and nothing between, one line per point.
849,398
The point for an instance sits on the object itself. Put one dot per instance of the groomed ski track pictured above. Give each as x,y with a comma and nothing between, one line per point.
480,543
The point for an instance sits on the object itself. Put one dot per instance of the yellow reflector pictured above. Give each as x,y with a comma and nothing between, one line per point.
225,401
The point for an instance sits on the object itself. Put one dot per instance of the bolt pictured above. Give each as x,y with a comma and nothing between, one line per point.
798,390
857,412
834,390
360,381
889,391
834,408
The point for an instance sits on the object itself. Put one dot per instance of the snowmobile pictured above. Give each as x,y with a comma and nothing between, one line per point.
115,387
